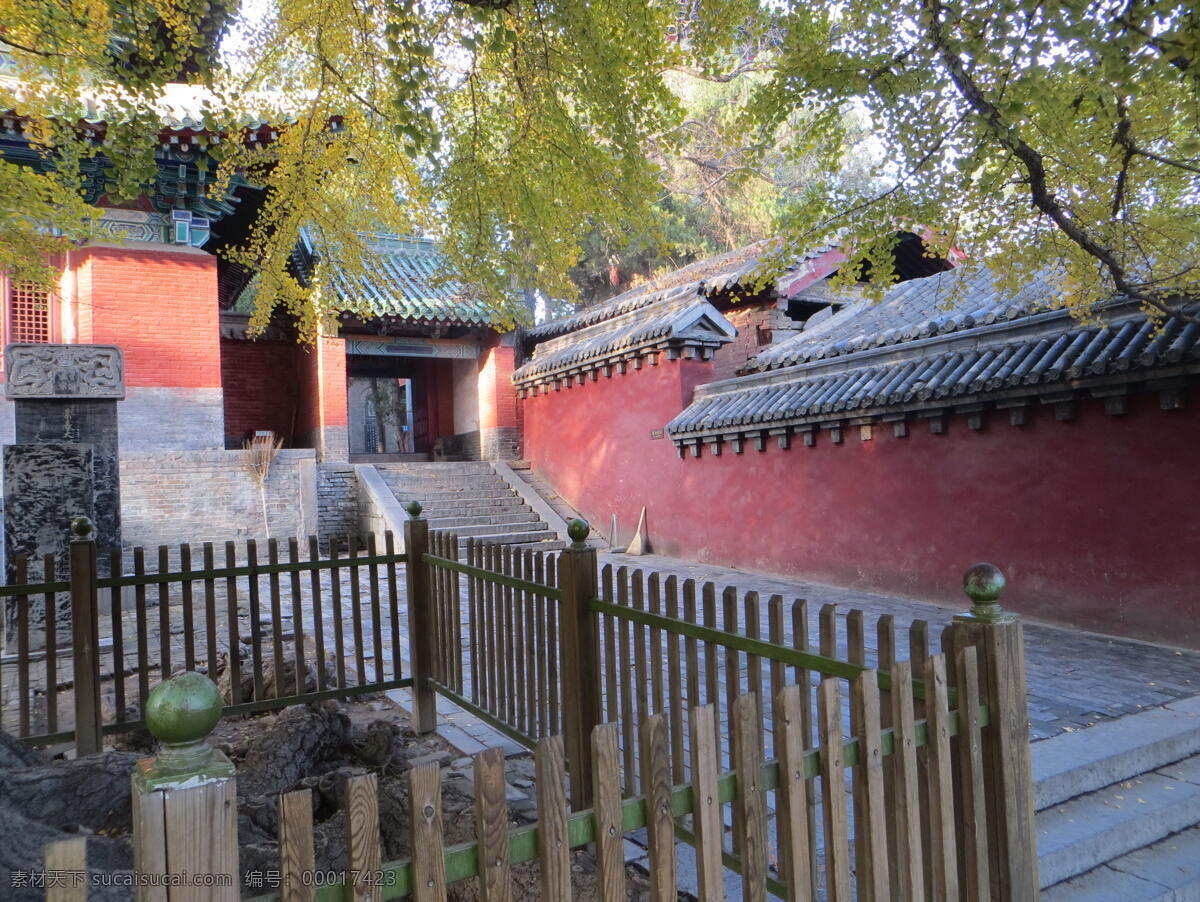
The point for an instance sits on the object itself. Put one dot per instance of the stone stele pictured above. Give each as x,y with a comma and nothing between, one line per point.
46,371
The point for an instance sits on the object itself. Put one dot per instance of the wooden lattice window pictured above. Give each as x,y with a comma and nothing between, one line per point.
28,313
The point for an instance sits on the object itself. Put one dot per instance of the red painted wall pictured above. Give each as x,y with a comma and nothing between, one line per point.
262,381
159,306
1093,521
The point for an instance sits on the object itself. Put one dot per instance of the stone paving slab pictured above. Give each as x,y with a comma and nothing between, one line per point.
1076,679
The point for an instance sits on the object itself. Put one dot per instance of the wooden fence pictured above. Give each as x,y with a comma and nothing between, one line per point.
811,773
539,644
278,623
844,857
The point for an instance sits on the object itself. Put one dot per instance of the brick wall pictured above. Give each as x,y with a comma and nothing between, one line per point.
262,386
757,326
499,435
171,419
337,500
160,305
497,398
199,496
323,414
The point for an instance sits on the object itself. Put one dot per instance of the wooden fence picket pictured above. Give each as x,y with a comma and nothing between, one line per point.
66,871
907,875
606,809
942,852
297,860
972,828
554,853
660,824
706,816
428,860
833,792
795,840
870,811
751,804
362,836
491,827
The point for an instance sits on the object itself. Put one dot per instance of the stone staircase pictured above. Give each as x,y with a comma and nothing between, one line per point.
470,499
1119,809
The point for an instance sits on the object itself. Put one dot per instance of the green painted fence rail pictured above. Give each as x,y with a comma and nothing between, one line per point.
462,860
500,579
834,667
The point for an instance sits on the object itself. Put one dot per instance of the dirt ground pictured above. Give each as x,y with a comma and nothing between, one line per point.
318,747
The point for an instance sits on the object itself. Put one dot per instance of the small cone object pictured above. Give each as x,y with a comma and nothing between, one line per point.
640,543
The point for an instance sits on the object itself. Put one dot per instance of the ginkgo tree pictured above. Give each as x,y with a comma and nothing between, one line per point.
1030,134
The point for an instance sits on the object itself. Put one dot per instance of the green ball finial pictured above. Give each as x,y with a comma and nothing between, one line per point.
82,529
578,530
184,709
414,508
984,584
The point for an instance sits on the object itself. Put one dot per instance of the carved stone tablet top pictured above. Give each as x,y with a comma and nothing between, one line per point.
90,372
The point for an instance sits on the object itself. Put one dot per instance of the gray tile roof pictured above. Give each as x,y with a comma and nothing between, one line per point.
1008,349
680,318
670,313
936,305
704,278
407,279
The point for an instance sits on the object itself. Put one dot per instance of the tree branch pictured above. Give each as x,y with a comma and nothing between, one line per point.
723,77
1043,198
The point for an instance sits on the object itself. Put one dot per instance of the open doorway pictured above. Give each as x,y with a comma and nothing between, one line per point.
388,416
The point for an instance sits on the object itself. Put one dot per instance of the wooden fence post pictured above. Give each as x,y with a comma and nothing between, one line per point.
998,637
420,620
581,677
185,828
85,636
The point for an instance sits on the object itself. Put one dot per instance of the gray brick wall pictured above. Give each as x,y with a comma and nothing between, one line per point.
168,497
503,443
176,419
337,500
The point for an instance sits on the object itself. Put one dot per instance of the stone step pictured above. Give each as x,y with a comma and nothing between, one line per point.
442,485
490,529
547,545
465,496
436,469
1165,871
1089,831
442,507
500,518
497,537
1071,764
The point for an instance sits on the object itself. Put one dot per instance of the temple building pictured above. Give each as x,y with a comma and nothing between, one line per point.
422,369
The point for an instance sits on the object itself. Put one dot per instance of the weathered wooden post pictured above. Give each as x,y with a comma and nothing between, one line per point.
185,830
85,636
420,619
580,645
998,637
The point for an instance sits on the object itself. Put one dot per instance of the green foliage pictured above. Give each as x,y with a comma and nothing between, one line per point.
1033,135
526,134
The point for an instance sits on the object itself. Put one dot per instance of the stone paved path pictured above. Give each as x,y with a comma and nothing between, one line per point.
1075,678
